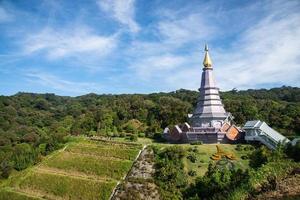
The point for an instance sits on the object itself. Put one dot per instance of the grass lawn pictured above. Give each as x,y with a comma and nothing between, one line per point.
204,153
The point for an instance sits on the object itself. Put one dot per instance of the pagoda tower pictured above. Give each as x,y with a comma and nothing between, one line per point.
209,111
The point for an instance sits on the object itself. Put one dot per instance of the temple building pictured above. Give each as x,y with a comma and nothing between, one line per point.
209,123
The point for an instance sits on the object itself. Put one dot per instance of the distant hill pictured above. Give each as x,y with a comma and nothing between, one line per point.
25,113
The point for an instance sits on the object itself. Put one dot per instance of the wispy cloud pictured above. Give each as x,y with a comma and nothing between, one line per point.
266,53
69,42
5,16
162,60
54,82
121,10
252,44
156,66
184,29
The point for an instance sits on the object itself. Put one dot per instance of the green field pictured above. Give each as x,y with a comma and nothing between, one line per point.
206,151
84,169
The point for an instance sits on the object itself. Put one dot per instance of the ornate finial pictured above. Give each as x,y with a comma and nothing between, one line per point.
206,47
207,61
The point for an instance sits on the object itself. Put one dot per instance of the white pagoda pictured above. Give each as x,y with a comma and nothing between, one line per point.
209,123
209,111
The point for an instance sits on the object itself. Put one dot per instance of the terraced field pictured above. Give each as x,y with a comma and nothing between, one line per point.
85,169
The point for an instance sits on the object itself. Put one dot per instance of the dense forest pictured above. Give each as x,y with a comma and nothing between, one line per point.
32,125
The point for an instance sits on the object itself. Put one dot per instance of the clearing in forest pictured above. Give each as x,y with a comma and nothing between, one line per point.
85,169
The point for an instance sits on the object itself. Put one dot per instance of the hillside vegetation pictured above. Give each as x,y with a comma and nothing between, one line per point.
84,169
34,125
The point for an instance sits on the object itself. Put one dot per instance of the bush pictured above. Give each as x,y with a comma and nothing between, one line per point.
43,149
133,138
170,176
192,173
141,134
293,151
248,148
259,157
239,147
122,134
196,143
24,156
6,168
193,149
192,158
216,183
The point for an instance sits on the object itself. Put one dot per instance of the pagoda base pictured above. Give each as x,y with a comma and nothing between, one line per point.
208,135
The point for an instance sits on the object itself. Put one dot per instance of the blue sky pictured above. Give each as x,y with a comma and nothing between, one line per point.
142,46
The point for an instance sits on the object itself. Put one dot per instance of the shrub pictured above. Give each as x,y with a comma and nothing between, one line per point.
192,158
141,134
43,149
192,173
259,157
193,149
196,143
216,183
133,138
293,151
24,156
170,176
239,147
6,168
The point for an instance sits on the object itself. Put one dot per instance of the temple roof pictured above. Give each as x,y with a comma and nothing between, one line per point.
207,61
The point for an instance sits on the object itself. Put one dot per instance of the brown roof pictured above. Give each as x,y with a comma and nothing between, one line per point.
225,127
233,133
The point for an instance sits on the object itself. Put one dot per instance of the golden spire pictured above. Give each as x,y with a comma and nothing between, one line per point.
207,61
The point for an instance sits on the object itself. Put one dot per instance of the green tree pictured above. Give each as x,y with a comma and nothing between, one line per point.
23,156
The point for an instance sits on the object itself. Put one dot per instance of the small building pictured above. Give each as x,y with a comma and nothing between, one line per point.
260,131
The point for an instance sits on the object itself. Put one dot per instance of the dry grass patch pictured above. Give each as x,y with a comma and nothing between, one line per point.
67,187
90,165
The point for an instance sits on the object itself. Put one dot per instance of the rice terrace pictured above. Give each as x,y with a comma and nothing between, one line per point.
84,169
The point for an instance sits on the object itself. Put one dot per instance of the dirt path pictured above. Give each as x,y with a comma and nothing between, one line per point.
139,183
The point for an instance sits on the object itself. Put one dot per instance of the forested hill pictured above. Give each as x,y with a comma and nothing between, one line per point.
30,117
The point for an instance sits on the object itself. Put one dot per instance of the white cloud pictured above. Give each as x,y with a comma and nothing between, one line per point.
159,61
185,29
54,82
69,42
267,53
121,10
156,66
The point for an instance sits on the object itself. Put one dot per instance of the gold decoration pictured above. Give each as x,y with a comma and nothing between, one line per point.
220,153
207,61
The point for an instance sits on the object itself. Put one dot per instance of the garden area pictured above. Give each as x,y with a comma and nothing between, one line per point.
223,171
